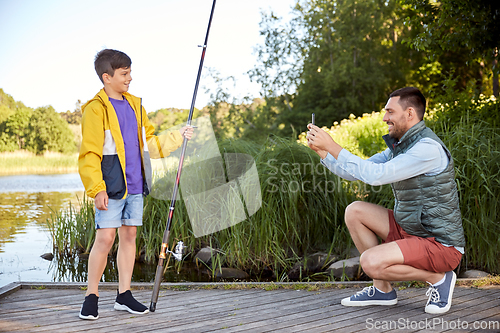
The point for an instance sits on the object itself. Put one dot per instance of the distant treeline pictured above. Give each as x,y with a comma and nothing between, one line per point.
332,58
36,130
43,129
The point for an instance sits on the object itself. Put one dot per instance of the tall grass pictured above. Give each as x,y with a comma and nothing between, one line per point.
24,162
72,231
475,146
302,211
303,204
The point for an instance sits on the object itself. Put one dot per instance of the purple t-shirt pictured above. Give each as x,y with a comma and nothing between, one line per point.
128,127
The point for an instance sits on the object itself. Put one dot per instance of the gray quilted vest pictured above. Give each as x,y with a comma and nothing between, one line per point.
427,206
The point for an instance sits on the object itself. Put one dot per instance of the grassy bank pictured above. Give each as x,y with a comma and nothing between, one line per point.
302,212
303,204
24,162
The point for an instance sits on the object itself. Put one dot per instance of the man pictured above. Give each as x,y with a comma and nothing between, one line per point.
423,237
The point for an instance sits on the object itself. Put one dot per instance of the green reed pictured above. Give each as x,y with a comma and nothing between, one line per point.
23,162
72,231
302,212
303,203
475,147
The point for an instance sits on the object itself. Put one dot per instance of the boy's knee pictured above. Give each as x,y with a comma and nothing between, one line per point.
127,234
106,240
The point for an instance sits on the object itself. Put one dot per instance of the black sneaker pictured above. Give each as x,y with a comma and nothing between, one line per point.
125,301
89,307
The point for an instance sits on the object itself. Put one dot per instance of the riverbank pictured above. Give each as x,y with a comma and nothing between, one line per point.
23,162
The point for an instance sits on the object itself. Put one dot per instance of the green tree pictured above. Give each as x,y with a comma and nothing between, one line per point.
75,117
17,124
280,61
231,117
49,132
464,34
8,105
14,118
7,142
341,57
164,119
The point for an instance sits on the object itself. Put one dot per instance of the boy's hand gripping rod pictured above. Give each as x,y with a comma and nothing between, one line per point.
164,246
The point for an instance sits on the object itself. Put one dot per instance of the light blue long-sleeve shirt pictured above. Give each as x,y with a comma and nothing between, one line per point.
426,157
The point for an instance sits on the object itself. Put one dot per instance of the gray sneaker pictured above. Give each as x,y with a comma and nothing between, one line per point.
440,297
371,296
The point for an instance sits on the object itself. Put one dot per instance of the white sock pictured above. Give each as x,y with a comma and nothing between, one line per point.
440,282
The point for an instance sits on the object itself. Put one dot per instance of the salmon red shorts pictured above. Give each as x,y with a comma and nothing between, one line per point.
422,253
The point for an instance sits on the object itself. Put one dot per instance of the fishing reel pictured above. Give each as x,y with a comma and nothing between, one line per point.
179,251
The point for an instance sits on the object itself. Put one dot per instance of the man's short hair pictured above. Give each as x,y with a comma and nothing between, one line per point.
411,96
107,61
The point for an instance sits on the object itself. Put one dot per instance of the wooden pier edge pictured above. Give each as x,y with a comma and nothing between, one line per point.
15,286
10,288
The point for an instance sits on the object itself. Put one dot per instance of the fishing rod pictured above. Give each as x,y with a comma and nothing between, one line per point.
164,246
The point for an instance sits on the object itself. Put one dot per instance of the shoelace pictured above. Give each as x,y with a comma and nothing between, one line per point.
368,290
433,294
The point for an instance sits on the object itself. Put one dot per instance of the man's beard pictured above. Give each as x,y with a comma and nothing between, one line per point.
396,132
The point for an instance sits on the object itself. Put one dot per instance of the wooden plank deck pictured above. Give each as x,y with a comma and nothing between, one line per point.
242,307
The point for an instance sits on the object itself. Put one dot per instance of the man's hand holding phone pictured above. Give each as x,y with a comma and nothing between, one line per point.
321,142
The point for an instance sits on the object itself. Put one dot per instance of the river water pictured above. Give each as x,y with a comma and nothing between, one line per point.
26,202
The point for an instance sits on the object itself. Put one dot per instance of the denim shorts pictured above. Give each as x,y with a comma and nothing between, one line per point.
120,212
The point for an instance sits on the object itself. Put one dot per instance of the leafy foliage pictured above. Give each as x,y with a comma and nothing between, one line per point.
163,119
38,130
49,132
340,57
449,25
463,35
75,117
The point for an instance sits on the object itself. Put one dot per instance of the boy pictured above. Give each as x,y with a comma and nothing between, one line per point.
117,139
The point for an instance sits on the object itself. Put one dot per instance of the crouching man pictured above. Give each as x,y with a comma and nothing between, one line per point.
423,237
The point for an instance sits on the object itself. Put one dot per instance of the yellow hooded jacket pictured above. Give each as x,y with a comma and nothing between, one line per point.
101,162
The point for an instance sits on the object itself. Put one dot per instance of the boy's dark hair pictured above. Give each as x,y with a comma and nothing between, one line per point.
411,96
107,61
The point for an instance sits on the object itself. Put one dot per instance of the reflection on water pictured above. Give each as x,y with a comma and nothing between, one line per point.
26,202
20,209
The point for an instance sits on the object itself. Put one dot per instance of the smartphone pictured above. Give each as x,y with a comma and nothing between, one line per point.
313,116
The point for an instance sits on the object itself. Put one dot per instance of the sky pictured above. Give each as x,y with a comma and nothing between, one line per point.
47,48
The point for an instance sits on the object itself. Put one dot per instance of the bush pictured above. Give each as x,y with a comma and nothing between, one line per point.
302,212
469,128
361,136
49,132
